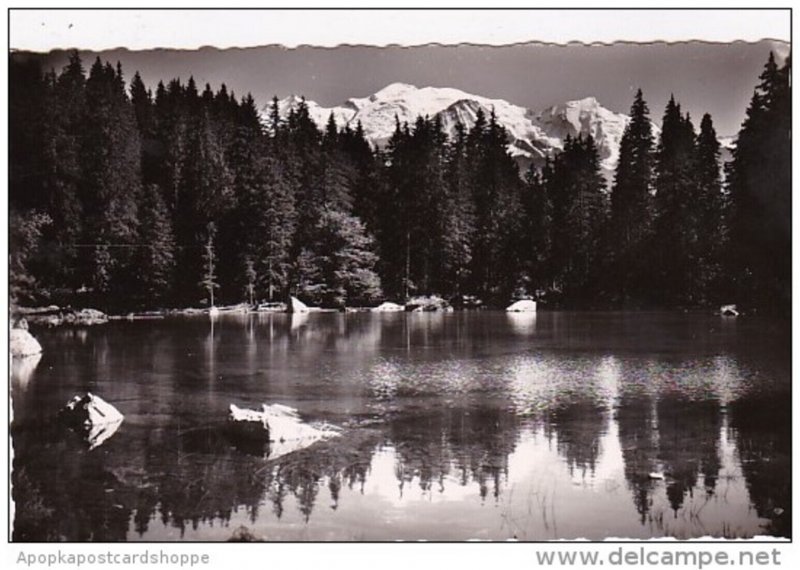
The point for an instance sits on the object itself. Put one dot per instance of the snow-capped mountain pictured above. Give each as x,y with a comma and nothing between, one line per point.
532,135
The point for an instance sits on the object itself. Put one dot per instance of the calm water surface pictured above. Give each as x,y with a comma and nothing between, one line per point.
456,426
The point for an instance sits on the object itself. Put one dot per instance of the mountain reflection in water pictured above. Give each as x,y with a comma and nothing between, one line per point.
456,426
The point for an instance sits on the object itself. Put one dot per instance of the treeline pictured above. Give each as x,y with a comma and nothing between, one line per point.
123,198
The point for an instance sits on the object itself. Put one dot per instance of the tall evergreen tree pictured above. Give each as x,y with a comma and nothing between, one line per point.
204,196
155,260
457,220
536,230
366,181
710,206
675,270
111,155
495,183
275,227
142,101
759,249
631,204
251,277
209,278
64,119
577,189
396,218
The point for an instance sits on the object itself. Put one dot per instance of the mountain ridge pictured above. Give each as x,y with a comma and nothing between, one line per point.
532,135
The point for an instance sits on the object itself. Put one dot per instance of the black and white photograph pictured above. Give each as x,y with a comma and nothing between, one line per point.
373,291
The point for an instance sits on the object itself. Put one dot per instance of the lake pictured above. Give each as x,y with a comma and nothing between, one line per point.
467,425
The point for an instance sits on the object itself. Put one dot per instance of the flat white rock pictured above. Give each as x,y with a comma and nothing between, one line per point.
389,307
287,432
524,306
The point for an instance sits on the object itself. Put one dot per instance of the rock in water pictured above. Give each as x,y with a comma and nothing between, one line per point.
297,306
94,417
96,435
388,307
426,304
249,424
279,426
524,306
90,410
22,343
86,317
728,311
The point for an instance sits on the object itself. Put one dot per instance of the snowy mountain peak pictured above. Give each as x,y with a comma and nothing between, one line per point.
393,90
587,117
531,135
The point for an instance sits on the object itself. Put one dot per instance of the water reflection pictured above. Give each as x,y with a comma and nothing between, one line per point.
638,438
22,369
688,436
455,426
522,323
765,456
469,445
578,428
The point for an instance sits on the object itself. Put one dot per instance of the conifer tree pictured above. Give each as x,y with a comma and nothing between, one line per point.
631,205
112,173
251,278
276,229
337,171
576,187
64,119
396,217
759,249
675,268
209,279
710,205
495,183
366,176
301,158
457,220
205,195
155,261
537,230
142,101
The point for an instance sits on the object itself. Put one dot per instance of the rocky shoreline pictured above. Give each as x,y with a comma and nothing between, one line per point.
53,315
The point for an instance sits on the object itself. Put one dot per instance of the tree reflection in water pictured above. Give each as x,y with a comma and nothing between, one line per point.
765,455
466,444
448,406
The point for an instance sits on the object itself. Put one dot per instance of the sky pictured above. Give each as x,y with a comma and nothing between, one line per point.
515,59
42,30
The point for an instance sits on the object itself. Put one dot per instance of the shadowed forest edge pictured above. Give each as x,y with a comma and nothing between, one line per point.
126,199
